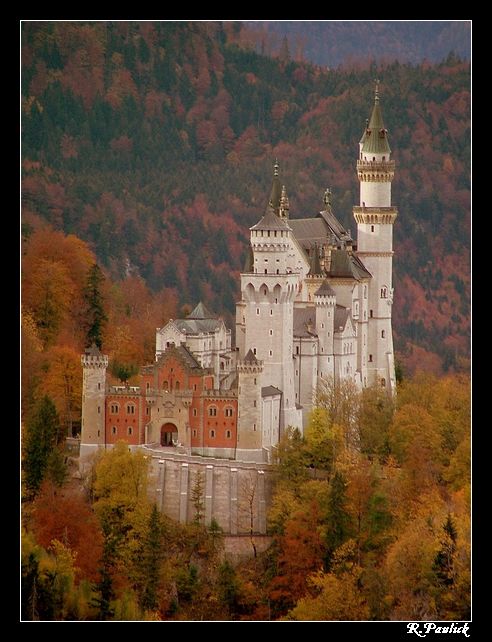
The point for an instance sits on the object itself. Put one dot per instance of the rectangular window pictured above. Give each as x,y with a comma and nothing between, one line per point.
254,427
99,410
382,334
147,411
270,353
370,358
147,386
254,403
271,313
271,333
370,314
257,310
194,412
99,386
98,433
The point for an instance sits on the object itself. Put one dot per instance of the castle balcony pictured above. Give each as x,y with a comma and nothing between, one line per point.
374,166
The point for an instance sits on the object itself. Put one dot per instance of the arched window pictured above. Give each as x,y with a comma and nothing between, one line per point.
115,408
165,385
114,430
130,409
212,434
212,411
228,411
130,431
384,292
228,434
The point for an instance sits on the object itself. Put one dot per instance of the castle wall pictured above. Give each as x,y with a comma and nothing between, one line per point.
232,491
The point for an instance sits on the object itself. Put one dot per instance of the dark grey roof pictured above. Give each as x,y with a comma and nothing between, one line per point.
270,222
188,357
182,352
309,231
196,326
341,316
270,391
376,139
360,267
347,265
334,225
250,357
325,289
201,312
304,317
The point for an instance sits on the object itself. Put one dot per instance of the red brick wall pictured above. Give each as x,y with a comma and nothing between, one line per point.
123,420
220,423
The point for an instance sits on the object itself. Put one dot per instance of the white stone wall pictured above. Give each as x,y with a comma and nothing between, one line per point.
270,421
373,194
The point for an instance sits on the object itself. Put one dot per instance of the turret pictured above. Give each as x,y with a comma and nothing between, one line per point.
325,302
92,436
249,433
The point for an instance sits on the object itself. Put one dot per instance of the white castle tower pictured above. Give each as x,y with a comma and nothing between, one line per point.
375,217
93,401
268,290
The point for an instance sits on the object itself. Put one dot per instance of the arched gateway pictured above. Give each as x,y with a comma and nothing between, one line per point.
169,432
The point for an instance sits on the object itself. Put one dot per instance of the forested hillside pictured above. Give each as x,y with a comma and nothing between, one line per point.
338,42
154,143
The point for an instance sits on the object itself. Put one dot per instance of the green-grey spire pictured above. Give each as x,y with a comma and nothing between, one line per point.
276,193
375,138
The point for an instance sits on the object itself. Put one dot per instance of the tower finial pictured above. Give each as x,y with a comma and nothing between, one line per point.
376,91
275,167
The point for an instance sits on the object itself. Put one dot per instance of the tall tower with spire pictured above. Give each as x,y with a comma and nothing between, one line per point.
375,217
269,286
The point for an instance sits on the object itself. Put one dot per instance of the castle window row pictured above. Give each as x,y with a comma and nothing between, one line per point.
115,409
114,430
213,411
213,433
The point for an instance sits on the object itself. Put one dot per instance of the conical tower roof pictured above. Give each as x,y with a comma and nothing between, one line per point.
375,138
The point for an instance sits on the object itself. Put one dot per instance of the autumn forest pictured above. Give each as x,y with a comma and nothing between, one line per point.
147,153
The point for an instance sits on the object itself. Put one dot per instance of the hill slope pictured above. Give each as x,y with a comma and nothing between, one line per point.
154,142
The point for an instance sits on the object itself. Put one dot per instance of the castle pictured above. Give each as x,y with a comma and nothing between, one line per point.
315,304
